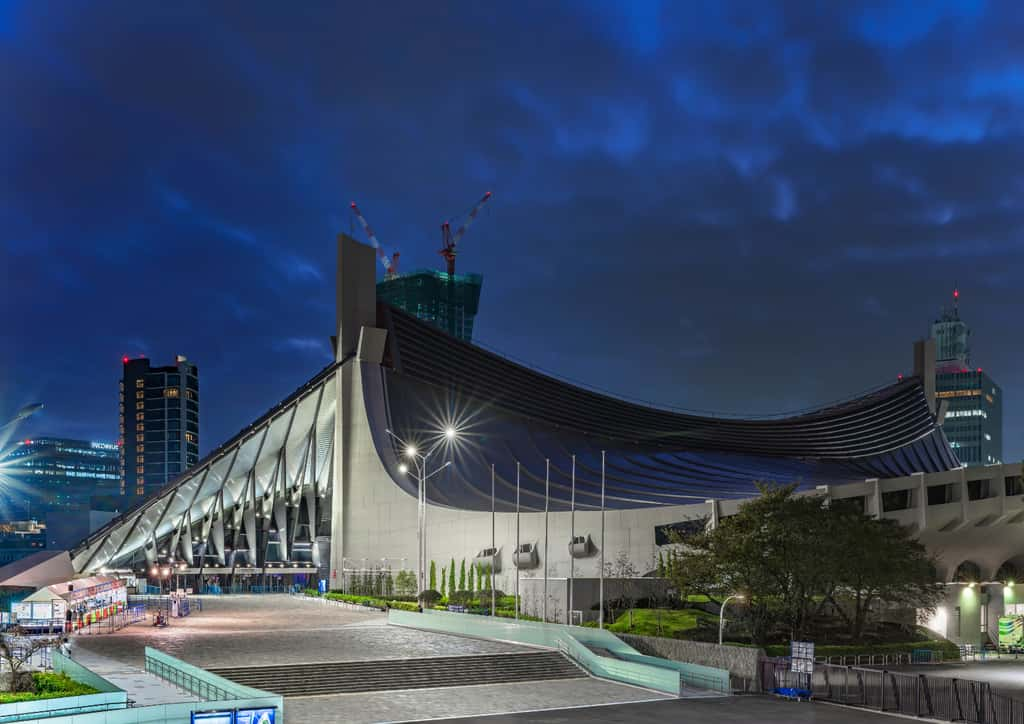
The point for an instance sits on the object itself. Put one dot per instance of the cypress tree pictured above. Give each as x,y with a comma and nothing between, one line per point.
472,584
451,578
433,576
462,575
444,580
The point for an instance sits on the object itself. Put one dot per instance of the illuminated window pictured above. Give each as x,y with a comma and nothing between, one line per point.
140,405
140,470
139,438
172,392
140,427
138,395
120,396
140,458
140,415
141,448
138,383
191,437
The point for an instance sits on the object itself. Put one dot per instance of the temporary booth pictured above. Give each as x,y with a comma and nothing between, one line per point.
87,599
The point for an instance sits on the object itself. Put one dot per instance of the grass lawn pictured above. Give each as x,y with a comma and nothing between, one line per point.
674,623
49,685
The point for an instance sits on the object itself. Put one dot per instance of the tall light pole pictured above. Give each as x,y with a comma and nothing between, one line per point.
572,537
721,614
494,550
600,615
547,485
23,413
516,559
419,473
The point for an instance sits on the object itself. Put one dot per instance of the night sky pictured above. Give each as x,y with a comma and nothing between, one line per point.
740,207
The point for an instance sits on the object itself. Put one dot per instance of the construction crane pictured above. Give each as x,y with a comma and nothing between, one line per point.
451,240
390,263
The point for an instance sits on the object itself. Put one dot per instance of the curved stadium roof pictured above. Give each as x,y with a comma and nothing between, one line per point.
508,413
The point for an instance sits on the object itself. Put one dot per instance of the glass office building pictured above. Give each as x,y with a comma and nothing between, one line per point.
974,412
159,423
449,302
55,474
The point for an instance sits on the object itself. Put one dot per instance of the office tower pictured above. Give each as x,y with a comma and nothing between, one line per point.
159,423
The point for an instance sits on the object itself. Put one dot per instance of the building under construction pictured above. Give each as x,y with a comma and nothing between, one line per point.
445,299
449,302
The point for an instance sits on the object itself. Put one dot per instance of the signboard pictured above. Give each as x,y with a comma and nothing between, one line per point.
255,716
237,716
802,657
21,611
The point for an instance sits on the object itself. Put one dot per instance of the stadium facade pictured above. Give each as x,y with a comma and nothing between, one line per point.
322,481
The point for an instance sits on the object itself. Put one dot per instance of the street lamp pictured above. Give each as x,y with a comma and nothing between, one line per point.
721,614
26,411
419,473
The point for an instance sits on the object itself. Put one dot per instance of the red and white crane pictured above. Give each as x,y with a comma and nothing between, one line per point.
451,240
390,263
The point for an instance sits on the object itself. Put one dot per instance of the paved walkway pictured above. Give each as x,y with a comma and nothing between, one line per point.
143,688
460,701
739,709
278,629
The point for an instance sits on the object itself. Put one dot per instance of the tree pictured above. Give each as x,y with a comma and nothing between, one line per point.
16,651
624,575
795,556
661,564
883,564
405,583
451,578
462,575
471,587
433,576
444,580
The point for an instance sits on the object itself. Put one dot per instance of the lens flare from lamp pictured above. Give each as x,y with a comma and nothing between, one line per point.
403,469
410,451
449,432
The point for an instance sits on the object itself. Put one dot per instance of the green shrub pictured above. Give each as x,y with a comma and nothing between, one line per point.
461,598
430,597
49,685
404,605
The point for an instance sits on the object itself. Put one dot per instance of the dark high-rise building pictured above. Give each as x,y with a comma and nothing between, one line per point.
47,474
449,302
159,423
974,413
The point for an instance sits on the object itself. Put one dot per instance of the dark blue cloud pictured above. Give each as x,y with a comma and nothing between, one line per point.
759,203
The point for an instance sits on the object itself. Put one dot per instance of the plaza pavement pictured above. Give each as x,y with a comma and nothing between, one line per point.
262,630
727,710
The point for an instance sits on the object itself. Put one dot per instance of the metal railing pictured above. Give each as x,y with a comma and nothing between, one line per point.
184,680
920,695
924,656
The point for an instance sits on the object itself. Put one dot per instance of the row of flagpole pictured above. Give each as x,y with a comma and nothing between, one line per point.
572,540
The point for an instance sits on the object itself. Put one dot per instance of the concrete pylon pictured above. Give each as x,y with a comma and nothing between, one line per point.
355,308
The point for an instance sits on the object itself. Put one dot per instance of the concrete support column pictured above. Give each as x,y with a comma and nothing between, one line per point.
922,502
713,513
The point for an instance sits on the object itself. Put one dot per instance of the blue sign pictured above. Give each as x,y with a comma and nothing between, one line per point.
322,586
255,716
213,717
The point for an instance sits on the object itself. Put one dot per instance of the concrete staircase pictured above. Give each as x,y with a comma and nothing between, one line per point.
346,677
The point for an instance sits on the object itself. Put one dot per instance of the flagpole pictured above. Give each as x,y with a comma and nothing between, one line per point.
547,485
494,551
516,557
572,536
600,618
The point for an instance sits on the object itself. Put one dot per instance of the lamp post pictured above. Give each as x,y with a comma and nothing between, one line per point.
721,614
26,411
420,474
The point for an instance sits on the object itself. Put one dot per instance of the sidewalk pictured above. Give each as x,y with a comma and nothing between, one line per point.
143,688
